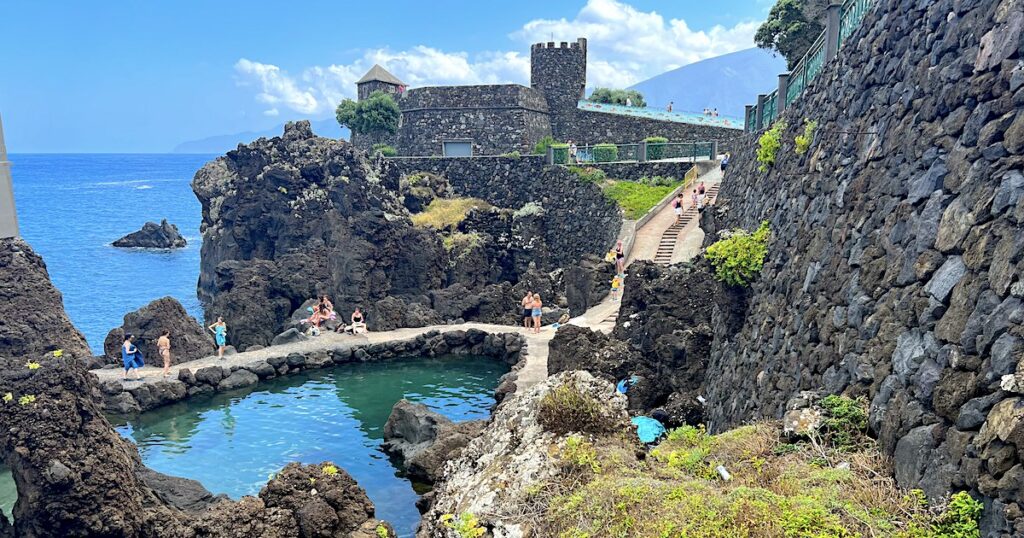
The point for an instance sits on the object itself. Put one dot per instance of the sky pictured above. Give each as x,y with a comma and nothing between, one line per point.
128,77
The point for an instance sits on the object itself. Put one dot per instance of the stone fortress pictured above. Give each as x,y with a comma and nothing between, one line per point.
493,119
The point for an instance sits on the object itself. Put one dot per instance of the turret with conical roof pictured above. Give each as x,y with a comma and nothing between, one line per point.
8,217
379,79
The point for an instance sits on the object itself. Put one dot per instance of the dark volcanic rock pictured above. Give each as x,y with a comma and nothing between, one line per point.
297,216
32,317
153,235
425,440
77,477
189,340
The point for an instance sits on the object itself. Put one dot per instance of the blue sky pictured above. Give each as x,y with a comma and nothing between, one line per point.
119,76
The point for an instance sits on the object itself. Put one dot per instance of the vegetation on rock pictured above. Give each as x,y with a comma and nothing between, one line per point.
768,145
588,174
566,408
791,28
465,526
444,213
378,113
677,492
636,199
604,153
617,97
543,144
739,257
383,149
803,141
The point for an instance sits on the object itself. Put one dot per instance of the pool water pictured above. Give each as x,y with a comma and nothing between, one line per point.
232,442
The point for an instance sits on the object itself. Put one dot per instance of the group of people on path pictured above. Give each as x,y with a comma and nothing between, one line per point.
132,358
533,311
698,200
711,112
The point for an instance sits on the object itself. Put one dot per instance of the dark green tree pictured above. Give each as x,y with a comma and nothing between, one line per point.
617,97
378,113
791,28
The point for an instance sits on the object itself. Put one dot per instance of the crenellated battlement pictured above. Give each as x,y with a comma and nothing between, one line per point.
579,44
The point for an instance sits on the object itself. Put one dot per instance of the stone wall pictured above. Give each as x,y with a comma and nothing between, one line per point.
276,361
559,73
578,219
635,171
497,118
593,127
895,265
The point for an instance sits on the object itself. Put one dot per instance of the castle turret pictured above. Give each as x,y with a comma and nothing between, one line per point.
559,72
379,79
8,217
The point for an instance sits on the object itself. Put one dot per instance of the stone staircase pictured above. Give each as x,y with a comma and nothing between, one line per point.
670,237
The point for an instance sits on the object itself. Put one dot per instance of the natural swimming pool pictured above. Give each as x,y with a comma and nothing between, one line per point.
232,442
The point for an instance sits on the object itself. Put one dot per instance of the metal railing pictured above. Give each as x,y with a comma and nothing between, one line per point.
843,21
634,152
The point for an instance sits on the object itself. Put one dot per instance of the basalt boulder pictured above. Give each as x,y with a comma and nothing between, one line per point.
189,340
424,439
153,235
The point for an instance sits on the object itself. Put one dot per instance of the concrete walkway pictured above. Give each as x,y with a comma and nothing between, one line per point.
600,317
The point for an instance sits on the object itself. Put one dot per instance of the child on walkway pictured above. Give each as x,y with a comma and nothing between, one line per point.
616,284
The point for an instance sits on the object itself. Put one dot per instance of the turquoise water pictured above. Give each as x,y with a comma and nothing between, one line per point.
72,206
231,443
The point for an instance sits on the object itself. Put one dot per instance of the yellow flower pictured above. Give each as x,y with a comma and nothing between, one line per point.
27,399
8,397
58,354
33,365
330,470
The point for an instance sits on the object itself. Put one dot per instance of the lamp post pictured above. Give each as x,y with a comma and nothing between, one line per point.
8,217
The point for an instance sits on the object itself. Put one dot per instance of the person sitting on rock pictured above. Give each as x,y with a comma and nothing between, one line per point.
358,322
327,306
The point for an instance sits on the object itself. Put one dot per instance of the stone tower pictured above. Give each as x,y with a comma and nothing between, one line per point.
8,217
378,78
559,72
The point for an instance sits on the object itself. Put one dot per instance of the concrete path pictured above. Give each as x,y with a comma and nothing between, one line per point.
600,317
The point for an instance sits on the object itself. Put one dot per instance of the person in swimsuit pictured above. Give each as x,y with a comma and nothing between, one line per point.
701,188
358,325
693,198
163,345
220,333
677,206
620,258
536,312
131,357
527,304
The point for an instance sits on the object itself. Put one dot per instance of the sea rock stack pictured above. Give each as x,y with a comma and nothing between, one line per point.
189,340
153,235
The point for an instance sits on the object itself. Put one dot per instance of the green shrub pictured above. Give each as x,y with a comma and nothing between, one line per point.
604,153
846,421
634,198
561,153
566,409
768,145
803,141
960,520
739,257
580,454
588,174
378,113
655,147
382,531
617,97
465,526
383,149
658,181
512,154
541,148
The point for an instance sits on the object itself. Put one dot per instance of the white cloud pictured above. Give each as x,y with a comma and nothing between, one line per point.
625,45
273,112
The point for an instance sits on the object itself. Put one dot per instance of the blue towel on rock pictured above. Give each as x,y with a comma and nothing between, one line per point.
648,429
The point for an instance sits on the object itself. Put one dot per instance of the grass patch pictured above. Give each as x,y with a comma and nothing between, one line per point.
445,213
776,490
566,409
460,242
636,199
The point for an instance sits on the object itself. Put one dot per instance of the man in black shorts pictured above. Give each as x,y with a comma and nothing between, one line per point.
527,304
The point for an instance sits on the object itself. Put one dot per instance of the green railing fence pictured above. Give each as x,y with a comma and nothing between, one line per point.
843,20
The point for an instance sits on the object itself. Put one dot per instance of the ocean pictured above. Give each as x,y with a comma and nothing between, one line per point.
72,206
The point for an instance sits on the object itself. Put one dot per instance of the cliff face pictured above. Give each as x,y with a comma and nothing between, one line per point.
895,265
288,218
32,317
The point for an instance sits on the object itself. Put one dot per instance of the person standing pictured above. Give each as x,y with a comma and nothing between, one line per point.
220,334
620,258
572,152
131,357
163,345
677,206
701,188
616,286
527,305
669,107
693,199
629,102
537,311
725,160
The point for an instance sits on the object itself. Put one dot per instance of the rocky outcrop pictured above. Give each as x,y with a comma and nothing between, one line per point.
298,216
896,258
425,440
189,340
514,454
662,339
77,477
32,317
153,235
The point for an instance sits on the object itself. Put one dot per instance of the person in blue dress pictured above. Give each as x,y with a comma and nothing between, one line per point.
220,333
131,357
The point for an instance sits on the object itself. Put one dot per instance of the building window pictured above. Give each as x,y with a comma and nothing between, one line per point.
457,148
